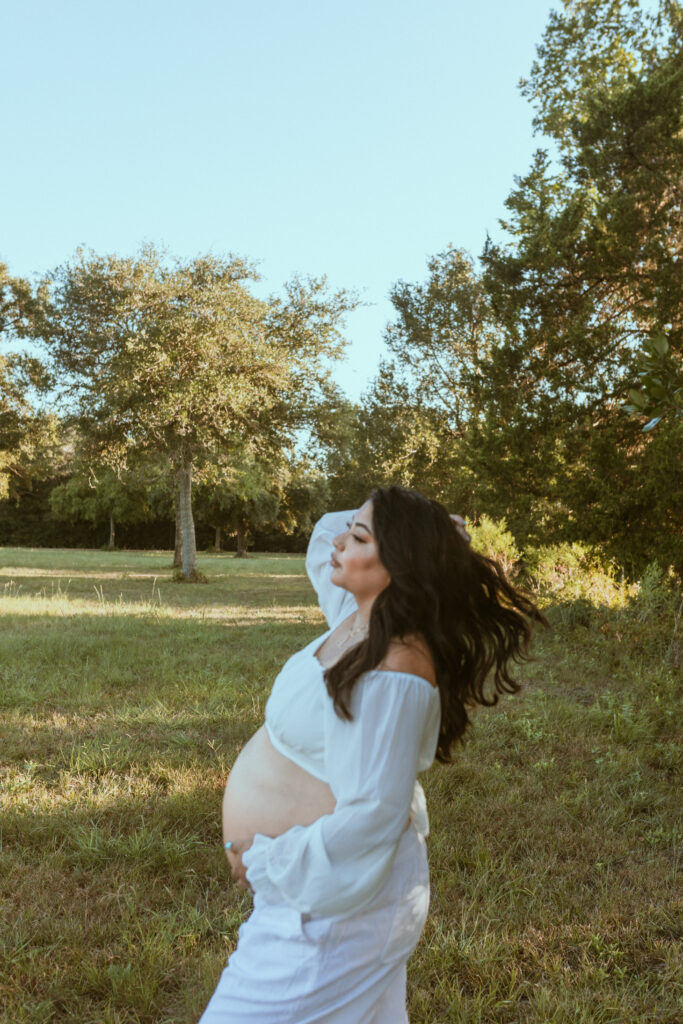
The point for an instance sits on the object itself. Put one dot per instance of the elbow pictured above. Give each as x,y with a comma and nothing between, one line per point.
377,822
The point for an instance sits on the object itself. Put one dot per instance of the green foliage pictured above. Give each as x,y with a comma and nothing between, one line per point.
245,496
304,498
147,351
181,360
608,87
657,594
575,572
504,387
593,50
99,496
239,495
409,427
17,304
28,436
392,438
660,379
493,539
441,336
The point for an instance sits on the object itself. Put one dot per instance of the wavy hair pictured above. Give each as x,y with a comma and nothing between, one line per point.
471,617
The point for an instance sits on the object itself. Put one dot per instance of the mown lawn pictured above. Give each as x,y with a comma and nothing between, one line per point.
124,700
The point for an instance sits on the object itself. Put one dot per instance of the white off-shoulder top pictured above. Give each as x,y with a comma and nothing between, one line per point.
336,865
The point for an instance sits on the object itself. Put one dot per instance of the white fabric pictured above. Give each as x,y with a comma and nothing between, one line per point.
295,711
295,708
335,602
289,968
337,865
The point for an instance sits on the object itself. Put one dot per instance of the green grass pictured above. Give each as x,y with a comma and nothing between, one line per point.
124,700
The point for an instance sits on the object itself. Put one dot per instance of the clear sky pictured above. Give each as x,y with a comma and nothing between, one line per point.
352,139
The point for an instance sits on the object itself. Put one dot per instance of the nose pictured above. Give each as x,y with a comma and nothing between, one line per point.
339,540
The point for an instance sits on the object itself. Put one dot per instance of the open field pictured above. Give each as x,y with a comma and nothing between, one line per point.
124,700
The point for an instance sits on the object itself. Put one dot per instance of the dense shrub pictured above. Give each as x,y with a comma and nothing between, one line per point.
573,572
657,594
493,539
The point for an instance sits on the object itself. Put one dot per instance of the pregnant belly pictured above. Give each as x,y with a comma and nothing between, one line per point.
268,793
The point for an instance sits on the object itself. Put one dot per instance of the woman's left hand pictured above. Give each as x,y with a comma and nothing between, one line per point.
234,855
461,527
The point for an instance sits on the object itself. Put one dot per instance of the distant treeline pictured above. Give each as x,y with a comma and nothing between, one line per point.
31,523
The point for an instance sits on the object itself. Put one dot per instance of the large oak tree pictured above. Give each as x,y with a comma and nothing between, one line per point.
181,358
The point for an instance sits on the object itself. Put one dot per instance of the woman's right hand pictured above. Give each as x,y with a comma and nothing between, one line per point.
237,868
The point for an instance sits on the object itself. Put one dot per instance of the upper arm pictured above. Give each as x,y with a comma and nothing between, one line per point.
410,654
335,602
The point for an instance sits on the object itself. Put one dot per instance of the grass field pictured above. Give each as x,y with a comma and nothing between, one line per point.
124,700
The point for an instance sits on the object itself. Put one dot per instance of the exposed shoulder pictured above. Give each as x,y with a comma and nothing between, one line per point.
410,654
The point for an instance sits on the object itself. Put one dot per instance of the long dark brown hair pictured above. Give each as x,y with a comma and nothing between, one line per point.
472,618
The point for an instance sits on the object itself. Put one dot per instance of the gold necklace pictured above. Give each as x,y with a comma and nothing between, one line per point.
349,636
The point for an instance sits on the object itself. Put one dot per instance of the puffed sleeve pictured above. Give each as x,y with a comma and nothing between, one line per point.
335,602
336,865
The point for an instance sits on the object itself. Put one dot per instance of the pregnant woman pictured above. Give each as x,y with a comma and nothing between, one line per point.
323,816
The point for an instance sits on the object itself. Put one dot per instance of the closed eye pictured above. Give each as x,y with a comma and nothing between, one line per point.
355,535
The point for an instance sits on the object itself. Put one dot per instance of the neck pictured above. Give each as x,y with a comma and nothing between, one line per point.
364,608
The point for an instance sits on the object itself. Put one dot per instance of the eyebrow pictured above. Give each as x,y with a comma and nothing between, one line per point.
354,523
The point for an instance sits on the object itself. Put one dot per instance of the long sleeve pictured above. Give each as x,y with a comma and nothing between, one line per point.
337,864
335,602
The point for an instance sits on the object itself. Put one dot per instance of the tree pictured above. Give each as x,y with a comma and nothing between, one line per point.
239,497
180,359
304,497
27,435
505,389
390,437
428,399
608,89
17,303
443,332
590,273
660,383
102,497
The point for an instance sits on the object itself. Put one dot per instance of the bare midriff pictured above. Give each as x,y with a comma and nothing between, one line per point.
269,794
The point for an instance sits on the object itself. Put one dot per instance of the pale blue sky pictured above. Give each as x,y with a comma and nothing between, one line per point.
350,139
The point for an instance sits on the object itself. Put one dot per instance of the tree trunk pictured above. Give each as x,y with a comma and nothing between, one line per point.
178,552
241,540
217,544
112,533
187,521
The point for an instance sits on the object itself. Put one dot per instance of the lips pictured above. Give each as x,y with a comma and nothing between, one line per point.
334,562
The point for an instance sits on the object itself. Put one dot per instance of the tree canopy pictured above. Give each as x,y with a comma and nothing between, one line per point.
180,358
27,434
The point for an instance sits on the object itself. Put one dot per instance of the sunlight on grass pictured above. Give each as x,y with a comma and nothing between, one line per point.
61,605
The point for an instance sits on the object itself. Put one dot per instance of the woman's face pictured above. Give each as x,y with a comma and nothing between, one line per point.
355,562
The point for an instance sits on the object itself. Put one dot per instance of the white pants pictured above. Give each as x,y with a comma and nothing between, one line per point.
290,968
